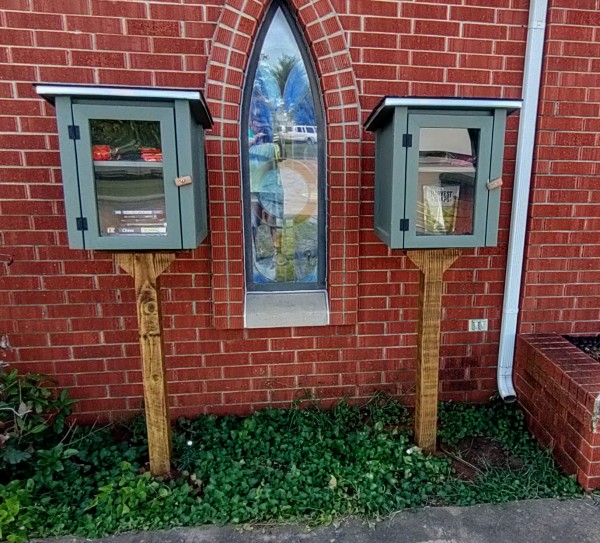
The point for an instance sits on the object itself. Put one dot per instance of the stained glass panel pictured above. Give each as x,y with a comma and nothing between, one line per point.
283,164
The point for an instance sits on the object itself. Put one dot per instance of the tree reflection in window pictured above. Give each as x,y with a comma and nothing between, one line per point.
282,154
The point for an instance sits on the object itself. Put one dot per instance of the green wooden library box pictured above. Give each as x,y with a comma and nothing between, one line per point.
133,166
438,170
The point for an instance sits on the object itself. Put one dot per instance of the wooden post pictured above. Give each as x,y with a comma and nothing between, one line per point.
432,263
146,268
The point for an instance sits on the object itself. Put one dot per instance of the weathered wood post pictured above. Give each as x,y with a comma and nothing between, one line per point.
146,268
432,263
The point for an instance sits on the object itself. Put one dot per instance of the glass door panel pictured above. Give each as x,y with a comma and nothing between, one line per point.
132,158
129,178
447,174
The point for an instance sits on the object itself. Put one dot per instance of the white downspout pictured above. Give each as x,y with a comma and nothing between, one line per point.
534,54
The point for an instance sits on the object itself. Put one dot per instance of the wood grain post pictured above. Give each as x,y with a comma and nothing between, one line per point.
146,268
432,263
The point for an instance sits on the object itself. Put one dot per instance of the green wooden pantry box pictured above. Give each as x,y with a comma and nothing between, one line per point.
133,166
438,170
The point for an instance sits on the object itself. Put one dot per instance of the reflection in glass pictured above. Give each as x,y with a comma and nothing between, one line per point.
283,163
447,173
128,170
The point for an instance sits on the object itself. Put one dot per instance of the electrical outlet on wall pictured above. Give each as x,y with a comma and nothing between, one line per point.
478,325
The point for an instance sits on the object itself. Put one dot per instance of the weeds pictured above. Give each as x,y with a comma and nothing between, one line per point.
32,419
302,464
533,475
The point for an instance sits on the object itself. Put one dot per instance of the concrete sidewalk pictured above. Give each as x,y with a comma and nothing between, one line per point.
532,521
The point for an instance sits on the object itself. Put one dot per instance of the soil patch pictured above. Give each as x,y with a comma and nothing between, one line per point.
473,456
588,344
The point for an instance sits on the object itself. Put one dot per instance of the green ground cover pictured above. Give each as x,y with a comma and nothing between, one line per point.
304,464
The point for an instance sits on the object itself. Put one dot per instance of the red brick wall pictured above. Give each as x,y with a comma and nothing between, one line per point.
558,388
72,314
562,280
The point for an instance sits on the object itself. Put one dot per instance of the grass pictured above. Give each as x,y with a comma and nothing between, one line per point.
305,465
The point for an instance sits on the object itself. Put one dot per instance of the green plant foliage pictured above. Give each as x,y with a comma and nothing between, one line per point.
32,424
535,476
14,523
32,419
304,464
309,463
498,420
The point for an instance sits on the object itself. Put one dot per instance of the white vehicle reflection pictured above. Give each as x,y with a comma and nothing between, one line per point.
300,134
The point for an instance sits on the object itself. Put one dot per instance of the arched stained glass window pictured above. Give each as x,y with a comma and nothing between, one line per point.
283,161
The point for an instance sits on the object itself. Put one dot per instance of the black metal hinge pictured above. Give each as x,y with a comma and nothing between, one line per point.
74,132
403,225
406,140
82,223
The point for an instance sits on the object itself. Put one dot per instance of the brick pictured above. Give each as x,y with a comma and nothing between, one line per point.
116,42
38,124
95,24
475,46
475,14
97,60
367,39
198,30
67,75
125,77
97,351
175,12
21,107
242,372
494,32
16,5
381,9
61,6
480,62
583,18
570,33
223,385
34,20
127,391
158,62
186,80
16,37
391,25
254,397
153,28
438,28
10,158
72,338
45,353
424,58
178,45
112,8
424,11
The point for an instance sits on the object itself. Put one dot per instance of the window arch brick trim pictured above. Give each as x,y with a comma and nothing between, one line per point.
232,44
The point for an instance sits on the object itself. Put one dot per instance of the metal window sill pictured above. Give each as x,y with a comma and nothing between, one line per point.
286,309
